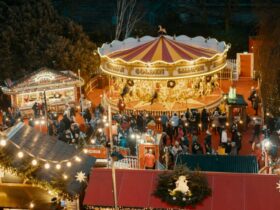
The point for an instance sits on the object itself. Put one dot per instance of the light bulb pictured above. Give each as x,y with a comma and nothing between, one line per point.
58,166
78,159
20,154
3,142
47,166
69,164
85,151
31,205
34,162
65,176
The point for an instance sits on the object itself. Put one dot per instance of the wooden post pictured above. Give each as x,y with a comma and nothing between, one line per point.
112,160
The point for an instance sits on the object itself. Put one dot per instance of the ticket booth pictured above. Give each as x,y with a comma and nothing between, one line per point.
143,149
236,107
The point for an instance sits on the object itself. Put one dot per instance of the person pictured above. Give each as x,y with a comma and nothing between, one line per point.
224,138
176,149
204,119
175,123
256,103
116,155
252,95
35,109
164,121
256,132
149,160
196,147
208,142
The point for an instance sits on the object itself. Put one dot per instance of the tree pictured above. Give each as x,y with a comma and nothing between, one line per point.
127,16
267,58
33,35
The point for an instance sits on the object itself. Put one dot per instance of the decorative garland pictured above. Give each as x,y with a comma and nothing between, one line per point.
182,187
130,82
171,83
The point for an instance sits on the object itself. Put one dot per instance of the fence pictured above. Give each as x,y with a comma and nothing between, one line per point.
230,72
129,162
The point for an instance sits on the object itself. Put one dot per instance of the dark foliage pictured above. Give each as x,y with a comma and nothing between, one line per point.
33,35
197,184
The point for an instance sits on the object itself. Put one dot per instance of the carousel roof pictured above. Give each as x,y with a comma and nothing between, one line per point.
163,48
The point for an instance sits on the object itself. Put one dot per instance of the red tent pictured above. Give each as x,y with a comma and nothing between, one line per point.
229,191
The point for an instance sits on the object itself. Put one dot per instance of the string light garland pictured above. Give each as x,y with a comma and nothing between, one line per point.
21,154
57,188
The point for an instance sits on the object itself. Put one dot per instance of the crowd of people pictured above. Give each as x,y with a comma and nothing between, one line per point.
192,132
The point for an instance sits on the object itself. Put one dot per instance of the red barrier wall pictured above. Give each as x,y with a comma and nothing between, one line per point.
229,191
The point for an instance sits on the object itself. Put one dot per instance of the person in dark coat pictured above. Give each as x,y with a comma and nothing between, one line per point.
204,119
256,133
196,147
66,121
208,142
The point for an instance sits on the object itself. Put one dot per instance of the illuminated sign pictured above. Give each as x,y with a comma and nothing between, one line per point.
190,69
149,71
44,76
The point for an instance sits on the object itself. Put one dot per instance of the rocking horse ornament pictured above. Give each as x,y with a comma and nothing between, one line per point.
181,186
161,30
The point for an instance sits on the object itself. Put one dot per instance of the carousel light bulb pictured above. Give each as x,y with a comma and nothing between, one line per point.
34,162
186,124
69,164
133,136
92,141
267,114
85,151
199,125
147,115
42,122
107,124
241,121
43,118
65,176
99,130
137,136
105,117
227,124
37,122
3,143
78,159
213,125
267,143
58,166
159,119
31,205
47,166
20,154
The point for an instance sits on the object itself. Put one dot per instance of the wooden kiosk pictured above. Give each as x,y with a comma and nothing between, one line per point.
236,106
59,87
143,149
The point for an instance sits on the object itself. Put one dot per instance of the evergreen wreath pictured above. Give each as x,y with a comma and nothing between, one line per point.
171,83
168,183
130,82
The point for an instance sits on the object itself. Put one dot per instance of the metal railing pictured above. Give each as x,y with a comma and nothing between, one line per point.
230,72
129,162
92,84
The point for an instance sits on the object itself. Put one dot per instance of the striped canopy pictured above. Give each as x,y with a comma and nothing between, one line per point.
163,49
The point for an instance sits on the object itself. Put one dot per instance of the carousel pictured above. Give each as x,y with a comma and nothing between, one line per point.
163,74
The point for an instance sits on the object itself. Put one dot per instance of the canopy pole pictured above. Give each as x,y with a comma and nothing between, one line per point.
112,160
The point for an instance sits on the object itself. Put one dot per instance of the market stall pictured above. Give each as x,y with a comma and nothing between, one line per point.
56,88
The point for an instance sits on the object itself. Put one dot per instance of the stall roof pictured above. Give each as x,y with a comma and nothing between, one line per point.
229,191
220,163
45,77
45,148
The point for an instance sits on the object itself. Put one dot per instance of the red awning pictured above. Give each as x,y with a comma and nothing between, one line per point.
229,191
